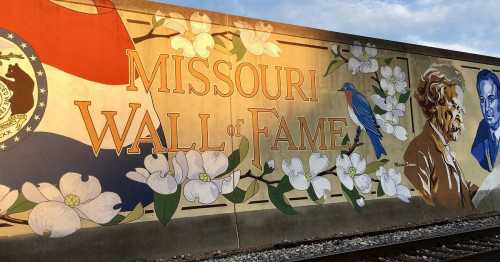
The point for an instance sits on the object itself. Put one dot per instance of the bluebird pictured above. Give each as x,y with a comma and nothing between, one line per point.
361,114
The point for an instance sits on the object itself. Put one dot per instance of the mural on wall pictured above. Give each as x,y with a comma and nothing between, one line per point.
98,147
431,165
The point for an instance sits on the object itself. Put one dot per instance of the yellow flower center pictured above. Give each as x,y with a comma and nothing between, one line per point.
189,36
72,200
351,171
205,178
308,176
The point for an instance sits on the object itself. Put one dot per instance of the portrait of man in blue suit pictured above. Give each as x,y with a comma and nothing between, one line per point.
485,146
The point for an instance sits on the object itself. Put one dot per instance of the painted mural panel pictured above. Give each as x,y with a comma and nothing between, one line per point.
136,116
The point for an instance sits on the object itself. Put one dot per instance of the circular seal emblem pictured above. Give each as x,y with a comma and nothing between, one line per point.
23,90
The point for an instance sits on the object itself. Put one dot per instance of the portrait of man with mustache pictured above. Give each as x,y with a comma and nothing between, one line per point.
430,164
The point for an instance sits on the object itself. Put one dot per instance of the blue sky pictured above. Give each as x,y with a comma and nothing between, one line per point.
465,25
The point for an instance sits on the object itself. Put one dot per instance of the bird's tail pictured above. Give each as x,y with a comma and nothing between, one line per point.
377,144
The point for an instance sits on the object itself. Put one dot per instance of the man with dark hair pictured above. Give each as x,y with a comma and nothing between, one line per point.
486,143
430,165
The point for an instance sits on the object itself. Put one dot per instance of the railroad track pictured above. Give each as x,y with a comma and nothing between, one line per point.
474,245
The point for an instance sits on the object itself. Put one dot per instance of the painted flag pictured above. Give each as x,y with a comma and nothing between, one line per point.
70,56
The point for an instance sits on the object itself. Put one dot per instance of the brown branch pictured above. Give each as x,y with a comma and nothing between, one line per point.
151,35
249,174
9,219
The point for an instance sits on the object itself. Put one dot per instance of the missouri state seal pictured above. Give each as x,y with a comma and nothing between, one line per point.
23,90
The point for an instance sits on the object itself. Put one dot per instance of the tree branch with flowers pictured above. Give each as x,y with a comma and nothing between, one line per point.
196,40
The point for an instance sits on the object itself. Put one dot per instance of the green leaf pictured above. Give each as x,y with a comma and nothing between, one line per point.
218,41
252,190
380,191
379,111
20,205
237,196
267,169
314,197
279,201
237,156
115,221
374,166
351,196
334,65
157,23
346,140
379,91
166,205
284,185
403,98
238,48
388,60
135,214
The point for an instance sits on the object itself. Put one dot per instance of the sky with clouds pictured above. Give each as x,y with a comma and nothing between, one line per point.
464,25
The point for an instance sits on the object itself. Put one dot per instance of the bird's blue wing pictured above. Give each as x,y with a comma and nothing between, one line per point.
363,111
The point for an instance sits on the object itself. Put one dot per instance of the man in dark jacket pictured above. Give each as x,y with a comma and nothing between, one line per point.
485,146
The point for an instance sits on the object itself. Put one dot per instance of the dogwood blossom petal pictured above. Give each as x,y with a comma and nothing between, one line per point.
101,209
371,50
272,49
354,65
139,175
357,49
203,192
321,186
72,184
227,184
162,183
200,23
176,22
400,133
53,218
202,44
214,162
156,163
363,183
343,161
346,180
195,164
403,193
386,72
360,202
318,163
180,166
358,162
369,66
179,42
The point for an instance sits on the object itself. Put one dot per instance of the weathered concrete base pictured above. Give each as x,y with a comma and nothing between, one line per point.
127,242
203,234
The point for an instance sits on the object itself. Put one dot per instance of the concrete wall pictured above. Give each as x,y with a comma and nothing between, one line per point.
252,142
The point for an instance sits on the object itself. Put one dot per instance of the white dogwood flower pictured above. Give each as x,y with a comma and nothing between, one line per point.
389,121
256,41
59,210
7,198
351,172
157,175
393,80
391,184
301,180
363,58
203,169
195,40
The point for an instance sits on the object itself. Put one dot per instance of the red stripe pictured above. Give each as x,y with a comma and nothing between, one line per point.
91,46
